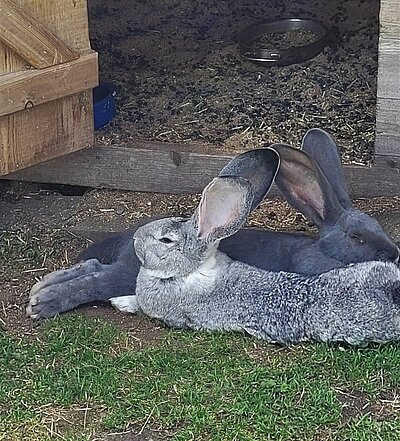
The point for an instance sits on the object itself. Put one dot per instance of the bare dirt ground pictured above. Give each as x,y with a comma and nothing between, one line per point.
41,231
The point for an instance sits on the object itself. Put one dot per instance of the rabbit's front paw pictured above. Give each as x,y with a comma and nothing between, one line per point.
45,303
59,291
64,275
126,304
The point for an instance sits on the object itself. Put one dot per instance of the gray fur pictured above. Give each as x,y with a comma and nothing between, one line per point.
188,283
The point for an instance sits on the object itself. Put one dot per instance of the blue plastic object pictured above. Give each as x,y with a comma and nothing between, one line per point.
103,104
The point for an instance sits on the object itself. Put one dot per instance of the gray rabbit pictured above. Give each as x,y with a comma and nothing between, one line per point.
314,186
186,282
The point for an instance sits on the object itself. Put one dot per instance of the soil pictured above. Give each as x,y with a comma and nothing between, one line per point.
179,77
356,403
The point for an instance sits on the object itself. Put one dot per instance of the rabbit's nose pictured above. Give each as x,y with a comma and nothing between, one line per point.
389,255
394,255
396,260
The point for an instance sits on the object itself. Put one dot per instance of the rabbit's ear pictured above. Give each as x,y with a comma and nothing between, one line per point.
323,150
305,187
259,167
224,207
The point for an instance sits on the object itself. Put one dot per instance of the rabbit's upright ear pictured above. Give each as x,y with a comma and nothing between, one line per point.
258,166
305,187
323,150
224,207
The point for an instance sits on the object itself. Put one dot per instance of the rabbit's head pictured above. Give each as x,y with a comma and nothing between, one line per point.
357,237
176,247
312,181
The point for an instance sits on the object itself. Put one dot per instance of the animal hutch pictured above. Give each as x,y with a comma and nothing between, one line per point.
47,71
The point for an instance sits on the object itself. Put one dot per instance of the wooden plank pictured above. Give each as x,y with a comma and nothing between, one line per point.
390,19
388,145
389,68
30,39
46,131
388,104
20,90
51,129
174,170
388,127
157,170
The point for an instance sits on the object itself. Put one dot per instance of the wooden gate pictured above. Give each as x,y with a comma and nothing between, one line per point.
47,71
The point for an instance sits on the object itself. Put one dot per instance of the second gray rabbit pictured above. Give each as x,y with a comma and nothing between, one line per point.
186,282
314,184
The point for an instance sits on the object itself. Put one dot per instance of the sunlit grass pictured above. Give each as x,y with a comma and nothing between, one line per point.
78,378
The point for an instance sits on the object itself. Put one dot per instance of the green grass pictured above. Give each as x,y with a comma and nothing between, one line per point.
26,250
190,386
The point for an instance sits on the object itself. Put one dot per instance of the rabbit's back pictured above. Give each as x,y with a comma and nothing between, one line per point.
353,304
357,304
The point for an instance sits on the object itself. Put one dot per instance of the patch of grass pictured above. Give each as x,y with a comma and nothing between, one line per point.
28,251
17,248
78,378
366,429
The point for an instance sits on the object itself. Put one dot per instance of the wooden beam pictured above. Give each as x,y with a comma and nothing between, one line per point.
388,127
389,68
25,89
30,39
390,19
166,168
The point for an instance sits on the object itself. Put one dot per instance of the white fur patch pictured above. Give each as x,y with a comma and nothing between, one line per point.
205,275
126,304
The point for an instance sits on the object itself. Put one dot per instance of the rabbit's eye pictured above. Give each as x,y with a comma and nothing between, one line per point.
166,240
357,238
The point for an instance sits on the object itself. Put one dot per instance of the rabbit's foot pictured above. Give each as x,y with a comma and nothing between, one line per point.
60,297
126,304
80,269
63,290
46,303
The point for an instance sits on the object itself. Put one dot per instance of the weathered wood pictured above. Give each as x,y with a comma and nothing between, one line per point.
158,169
30,39
20,90
179,170
390,18
389,68
388,103
388,127
46,131
61,126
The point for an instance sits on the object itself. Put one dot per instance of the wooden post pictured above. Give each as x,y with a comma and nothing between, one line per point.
388,105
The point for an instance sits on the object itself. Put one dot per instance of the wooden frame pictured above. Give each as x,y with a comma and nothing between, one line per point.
388,107
174,168
47,71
